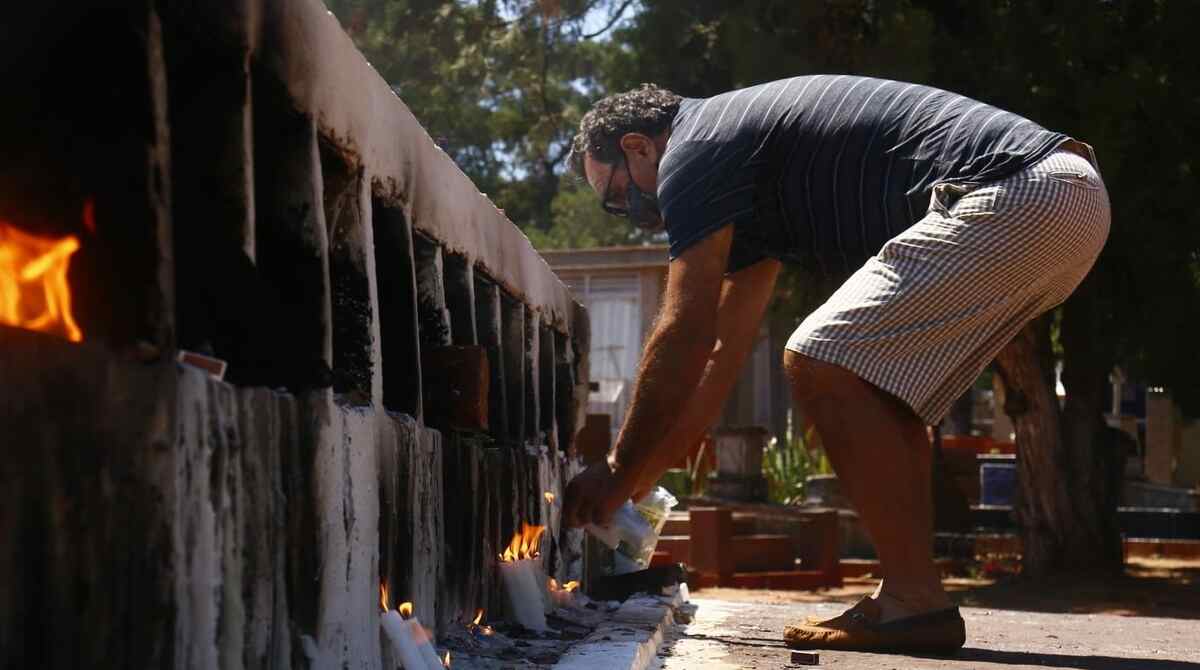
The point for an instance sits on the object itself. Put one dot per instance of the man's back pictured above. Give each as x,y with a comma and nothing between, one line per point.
824,169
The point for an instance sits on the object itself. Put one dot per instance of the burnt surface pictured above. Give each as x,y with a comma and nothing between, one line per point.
470,547
395,274
432,315
81,131
512,345
289,326
546,384
460,291
488,321
351,316
88,549
564,403
219,295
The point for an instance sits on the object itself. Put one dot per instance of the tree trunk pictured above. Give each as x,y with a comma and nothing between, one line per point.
1065,506
1095,452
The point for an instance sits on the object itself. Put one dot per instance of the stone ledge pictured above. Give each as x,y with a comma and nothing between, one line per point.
630,640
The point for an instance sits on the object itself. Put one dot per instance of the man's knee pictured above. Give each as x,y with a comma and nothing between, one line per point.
812,378
826,389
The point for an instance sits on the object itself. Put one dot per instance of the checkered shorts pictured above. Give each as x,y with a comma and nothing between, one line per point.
930,311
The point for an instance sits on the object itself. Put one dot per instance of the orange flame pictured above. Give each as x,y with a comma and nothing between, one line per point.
552,584
550,497
475,626
383,596
446,659
526,543
406,610
33,282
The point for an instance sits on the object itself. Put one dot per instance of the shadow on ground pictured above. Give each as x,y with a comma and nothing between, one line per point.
1148,589
970,654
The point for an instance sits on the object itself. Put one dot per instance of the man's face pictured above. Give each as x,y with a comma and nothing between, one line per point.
610,183
638,163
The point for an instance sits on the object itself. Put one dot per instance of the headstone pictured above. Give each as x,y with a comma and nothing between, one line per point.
739,464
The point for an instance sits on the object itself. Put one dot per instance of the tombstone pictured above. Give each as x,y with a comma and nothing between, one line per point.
739,464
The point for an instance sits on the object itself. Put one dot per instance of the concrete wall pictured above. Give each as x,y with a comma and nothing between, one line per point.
309,232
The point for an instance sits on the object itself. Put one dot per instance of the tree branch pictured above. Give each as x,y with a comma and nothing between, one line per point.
612,21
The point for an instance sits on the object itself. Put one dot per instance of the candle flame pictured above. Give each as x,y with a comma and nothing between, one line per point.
553,585
34,293
550,497
383,596
446,659
475,626
526,543
406,610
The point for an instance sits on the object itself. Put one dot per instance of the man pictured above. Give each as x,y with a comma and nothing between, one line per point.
964,223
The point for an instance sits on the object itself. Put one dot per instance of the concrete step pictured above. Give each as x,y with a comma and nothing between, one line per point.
756,553
863,568
679,523
781,580
678,546
1165,548
751,553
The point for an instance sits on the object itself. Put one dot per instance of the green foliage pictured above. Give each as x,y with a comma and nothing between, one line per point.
704,48
788,463
499,84
580,222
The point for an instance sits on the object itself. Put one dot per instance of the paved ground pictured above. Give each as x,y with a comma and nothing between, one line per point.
741,634
727,634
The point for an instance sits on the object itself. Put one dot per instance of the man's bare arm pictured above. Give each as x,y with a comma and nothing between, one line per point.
675,355
744,299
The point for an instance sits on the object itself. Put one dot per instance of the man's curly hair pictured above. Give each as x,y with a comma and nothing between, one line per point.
646,109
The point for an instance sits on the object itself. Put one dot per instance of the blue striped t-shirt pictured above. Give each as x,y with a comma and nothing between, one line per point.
824,169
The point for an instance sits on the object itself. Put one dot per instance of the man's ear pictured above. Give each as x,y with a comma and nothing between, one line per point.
637,143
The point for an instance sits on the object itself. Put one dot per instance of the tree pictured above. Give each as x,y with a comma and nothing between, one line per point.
499,84
1118,76
579,222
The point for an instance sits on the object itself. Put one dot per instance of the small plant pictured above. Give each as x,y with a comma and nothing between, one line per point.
788,463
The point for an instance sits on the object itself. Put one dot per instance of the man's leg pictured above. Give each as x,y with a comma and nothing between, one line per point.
882,455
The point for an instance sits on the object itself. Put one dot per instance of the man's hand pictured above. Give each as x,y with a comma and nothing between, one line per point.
594,495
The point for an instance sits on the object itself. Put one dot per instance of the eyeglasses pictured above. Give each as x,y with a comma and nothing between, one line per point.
615,210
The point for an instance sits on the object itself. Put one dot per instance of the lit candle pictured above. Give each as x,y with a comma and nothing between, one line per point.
404,646
524,595
421,638
524,583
